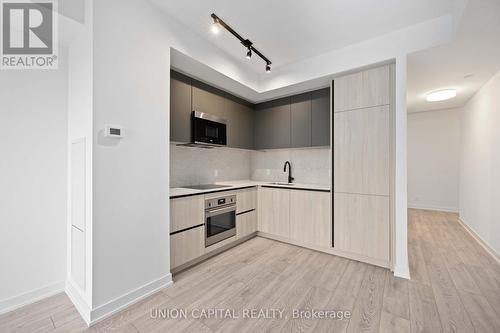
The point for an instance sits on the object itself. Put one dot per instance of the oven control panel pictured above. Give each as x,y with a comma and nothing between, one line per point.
220,201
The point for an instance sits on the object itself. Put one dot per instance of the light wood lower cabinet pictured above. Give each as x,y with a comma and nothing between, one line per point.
274,211
246,224
186,212
361,225
310,219
186,245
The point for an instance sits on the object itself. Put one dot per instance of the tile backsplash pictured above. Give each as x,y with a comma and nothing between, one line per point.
309,165
192,166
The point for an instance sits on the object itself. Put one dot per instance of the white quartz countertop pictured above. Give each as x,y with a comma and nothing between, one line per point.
237,184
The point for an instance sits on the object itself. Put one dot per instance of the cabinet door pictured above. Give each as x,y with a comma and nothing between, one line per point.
240,124
274,211
310,218
246,224
361,151
246,200
363,89
300,112
272,124
208,99
180,107
186,212
186,245
362,225
320,117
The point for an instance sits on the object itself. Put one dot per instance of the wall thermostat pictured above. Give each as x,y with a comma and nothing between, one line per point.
113,132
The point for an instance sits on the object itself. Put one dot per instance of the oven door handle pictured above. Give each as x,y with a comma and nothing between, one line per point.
210,213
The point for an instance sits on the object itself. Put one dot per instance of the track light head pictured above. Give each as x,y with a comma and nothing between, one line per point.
215,28
249,53
268,68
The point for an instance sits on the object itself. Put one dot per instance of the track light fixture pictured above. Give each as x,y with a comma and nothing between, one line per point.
246,42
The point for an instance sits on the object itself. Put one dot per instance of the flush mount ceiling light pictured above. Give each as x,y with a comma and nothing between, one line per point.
246,42
441,95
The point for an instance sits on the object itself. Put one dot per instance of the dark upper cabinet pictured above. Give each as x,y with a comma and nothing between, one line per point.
208,99
320,117
272,124
298,121
300,134
240,123
180,107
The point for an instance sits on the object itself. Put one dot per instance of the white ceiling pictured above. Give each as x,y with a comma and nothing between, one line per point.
292,30
475,49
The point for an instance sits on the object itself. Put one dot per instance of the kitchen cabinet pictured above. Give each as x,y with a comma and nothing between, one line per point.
363,160
310,218
208,99
186,246
320,117
246,224
240,123
362,225
300,113
246,199
274,211
272,124
362,89
180,107
186,212
361,154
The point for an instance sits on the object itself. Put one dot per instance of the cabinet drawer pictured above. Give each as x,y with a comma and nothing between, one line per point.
186,212
186,245
246,200
246,224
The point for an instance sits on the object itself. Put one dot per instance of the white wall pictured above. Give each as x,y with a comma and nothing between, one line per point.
130,176
33,115
433,159
480,163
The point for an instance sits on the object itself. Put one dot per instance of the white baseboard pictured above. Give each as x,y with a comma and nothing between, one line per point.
491,251
13,303
104,311
74,294
431,207
402,272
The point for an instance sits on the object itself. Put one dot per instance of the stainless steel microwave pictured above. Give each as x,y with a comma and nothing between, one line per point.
208,129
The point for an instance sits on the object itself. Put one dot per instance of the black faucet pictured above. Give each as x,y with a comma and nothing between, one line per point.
290,178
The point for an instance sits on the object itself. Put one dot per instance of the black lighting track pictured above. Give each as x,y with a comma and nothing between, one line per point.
246,42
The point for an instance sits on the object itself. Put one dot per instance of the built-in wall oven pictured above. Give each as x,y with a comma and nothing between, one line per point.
220,219
208,129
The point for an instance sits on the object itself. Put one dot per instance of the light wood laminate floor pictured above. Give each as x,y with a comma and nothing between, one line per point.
455,287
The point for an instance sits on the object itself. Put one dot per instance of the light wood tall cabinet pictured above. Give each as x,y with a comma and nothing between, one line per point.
362,164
